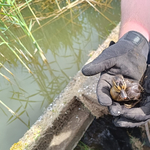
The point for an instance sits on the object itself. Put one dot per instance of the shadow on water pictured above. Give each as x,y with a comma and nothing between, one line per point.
66,43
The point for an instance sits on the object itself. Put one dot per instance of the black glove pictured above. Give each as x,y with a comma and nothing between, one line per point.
134,116
127,57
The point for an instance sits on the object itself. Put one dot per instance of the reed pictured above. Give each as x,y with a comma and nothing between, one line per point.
11,15
14,16
83,146
15,113
11,12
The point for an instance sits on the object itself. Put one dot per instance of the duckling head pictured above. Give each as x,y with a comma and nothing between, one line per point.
119,87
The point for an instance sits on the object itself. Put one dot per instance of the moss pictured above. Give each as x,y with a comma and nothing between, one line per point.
18,146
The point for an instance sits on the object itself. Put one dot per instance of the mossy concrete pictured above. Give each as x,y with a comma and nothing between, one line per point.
66,119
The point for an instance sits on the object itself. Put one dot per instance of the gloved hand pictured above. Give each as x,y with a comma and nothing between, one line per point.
134,116
127,57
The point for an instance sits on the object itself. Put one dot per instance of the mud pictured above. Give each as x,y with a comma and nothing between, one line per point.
56,137
103,135
58,124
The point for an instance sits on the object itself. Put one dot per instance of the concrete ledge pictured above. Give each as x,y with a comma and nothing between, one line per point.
66,119
66,129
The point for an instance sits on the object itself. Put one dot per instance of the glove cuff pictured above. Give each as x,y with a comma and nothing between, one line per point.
138,40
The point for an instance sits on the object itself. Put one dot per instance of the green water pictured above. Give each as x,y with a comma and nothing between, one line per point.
66,43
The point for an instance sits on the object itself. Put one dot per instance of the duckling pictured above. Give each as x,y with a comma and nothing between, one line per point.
127,91
117,91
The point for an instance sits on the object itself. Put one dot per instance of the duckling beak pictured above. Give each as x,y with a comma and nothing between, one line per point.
123,94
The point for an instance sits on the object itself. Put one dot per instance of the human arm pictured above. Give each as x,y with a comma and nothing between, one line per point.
134,17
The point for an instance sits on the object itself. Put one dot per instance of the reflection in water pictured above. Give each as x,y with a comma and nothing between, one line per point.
66,43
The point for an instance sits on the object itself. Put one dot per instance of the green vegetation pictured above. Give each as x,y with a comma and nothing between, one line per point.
12,16
82,146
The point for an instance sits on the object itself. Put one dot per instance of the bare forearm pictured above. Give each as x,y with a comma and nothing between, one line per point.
135,15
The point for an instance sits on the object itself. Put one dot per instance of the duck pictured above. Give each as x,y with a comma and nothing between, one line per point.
125,91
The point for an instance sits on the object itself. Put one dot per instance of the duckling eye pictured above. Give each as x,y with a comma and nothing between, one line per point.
117,83
121,84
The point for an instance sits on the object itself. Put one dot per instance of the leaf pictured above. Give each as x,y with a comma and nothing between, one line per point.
68,68
13,115
65,74
24,100
9,2
2,43
42,103
10,118
29,123
26,105
3,111
18,109
17,117
21,113
5,5
27,114
30,25
22,90
33,95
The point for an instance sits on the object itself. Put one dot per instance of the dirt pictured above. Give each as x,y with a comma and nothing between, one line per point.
58,124
51,136
102,134
55,137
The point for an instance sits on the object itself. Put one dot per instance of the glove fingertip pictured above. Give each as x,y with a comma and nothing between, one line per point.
104,101
85,70
115,109
116,123
120,122
105,104
126,123
89,70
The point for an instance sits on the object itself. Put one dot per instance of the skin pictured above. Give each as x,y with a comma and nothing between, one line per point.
135,17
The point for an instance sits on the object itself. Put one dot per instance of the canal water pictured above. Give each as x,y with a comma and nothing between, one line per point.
66,43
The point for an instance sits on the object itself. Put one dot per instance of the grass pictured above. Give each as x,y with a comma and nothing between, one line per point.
15,113
11,14
82,146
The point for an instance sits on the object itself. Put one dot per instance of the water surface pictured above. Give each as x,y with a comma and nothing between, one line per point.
66,43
